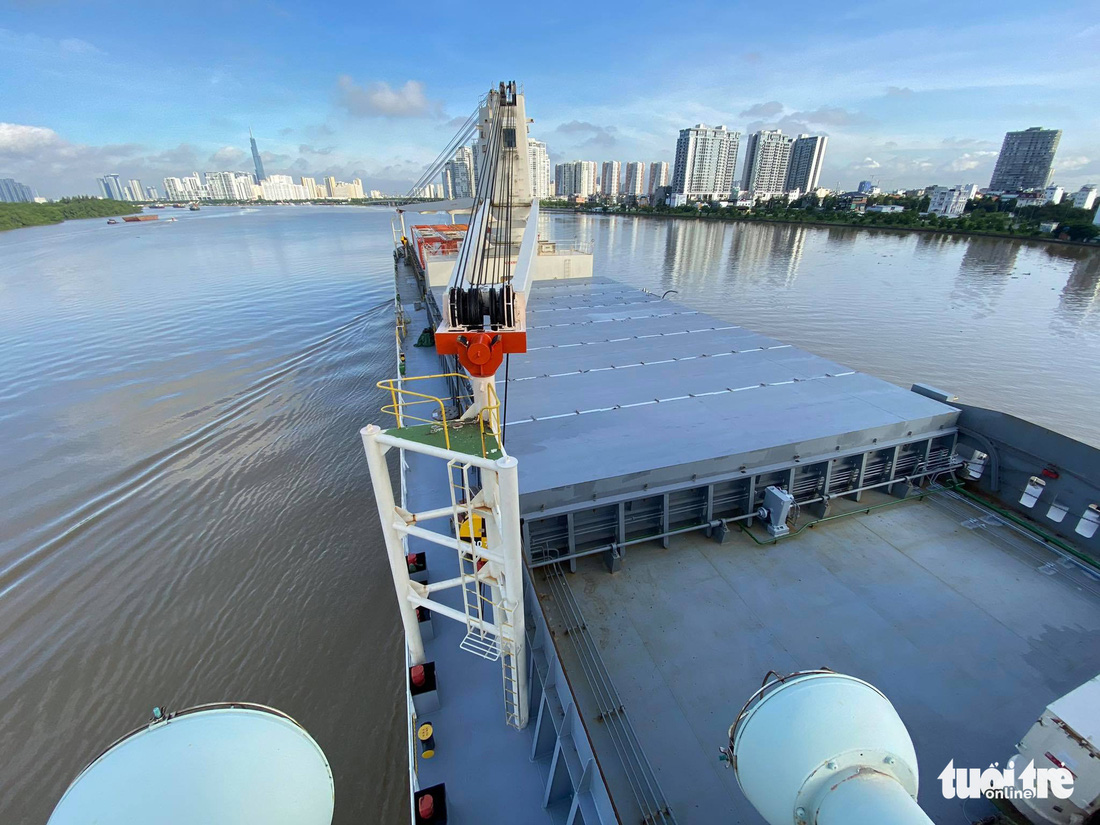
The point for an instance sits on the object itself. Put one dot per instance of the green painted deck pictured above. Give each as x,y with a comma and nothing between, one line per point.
465,437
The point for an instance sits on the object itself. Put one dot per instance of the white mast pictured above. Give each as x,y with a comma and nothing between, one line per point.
484,320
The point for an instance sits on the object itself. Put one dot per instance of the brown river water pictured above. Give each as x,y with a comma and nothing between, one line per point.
186,510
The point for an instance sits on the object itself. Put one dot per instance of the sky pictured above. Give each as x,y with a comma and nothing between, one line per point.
910,94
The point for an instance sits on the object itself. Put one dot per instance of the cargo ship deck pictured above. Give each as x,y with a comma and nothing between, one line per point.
968,625
646,433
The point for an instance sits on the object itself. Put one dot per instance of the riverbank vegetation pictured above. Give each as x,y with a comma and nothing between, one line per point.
983,216
17,215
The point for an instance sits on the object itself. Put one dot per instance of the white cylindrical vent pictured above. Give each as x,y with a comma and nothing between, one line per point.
224,764
802,738
867,798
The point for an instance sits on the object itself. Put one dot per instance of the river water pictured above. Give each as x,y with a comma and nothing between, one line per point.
187,515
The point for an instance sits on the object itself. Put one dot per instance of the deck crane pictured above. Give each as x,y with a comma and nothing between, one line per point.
484,312
482,320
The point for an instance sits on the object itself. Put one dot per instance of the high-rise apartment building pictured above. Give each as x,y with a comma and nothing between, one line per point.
447,176
243,187
804,170
634,179
1026,160
194,188
12,191
256,157
705,162
137,191
563,180
458,174
539,160
111,186
658,176
173,189
575,177
767,157
221,186
330,186
584,177
310,185
431,191
465,154
281,188
609,180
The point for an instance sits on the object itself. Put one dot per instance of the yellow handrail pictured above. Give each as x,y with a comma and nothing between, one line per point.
488,416
493,409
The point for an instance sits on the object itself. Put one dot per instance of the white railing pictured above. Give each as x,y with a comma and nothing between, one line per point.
567,248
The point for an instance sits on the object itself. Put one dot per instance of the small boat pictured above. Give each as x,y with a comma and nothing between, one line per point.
111,222
171,220
139,218
179,205
194,207
156,206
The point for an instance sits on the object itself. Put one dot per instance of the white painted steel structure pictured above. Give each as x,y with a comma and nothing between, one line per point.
228,764
496,632
1067,734
825,748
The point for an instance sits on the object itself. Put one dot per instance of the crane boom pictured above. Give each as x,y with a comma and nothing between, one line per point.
484,315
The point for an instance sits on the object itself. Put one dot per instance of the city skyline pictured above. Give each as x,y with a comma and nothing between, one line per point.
774,164
904,115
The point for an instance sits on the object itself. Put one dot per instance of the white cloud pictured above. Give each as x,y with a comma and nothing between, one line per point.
831,116
18,140
227,157
1070,164
866,164
970,160
764,110
584,135
380,99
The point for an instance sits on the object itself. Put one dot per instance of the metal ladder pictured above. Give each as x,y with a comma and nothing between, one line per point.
477,640
510,678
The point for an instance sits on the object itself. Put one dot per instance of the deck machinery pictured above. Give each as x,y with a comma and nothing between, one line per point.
483,315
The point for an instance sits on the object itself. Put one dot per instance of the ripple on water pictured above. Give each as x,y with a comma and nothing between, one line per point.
187,514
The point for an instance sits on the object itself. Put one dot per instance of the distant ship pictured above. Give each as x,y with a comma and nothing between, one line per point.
156,206
139,218
179,206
